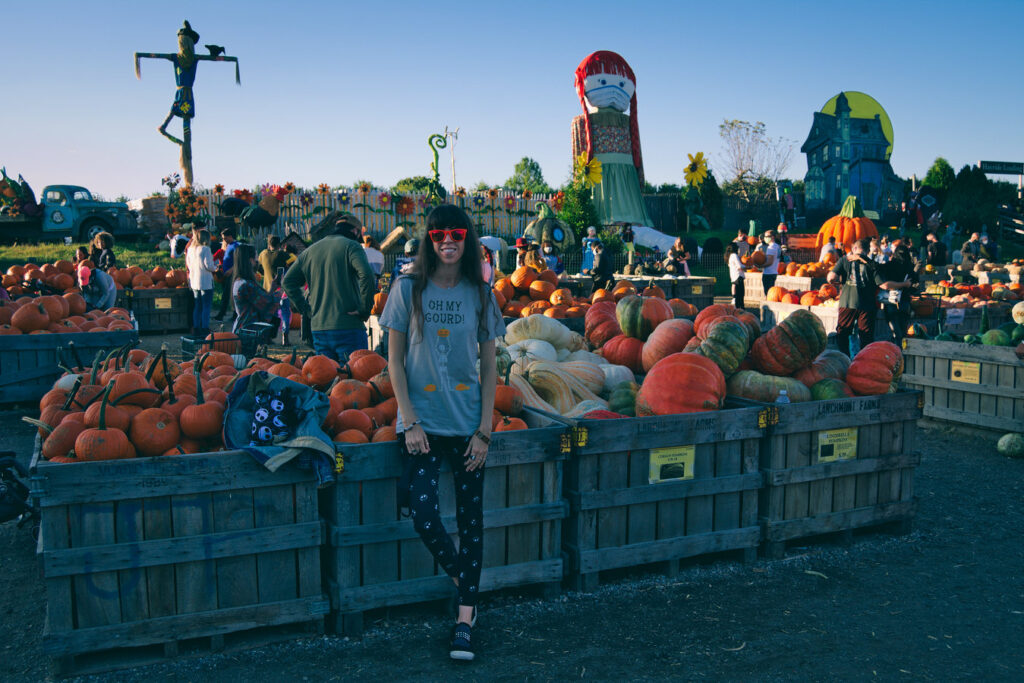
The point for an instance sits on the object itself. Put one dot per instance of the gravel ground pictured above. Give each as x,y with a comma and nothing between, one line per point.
945,602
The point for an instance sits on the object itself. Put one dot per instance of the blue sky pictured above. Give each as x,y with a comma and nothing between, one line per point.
334,92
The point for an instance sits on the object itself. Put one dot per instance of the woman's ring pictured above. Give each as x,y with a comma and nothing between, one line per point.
472,457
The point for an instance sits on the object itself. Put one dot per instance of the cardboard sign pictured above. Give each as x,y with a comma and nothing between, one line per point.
697,289
671,464
965,371
162,302
955,316
837,444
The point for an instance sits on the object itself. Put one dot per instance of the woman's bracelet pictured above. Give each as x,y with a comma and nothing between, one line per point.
413,424
483,437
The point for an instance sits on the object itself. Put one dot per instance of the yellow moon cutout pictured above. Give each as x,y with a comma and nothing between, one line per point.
863,106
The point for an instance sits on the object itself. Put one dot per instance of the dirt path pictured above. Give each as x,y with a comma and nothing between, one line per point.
946,602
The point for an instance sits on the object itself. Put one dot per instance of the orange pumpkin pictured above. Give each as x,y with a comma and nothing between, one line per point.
655,291
561,297
556,312
522,278
541,290
379,299
776,293
848,226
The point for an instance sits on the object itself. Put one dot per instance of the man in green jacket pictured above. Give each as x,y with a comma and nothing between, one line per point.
341,287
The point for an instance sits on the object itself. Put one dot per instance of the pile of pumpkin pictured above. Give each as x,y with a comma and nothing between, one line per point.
960,295
826,295
133,404
134,277
60,276
59,314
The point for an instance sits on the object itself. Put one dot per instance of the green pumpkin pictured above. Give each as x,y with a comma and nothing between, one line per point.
639,315
972,339
622,400
754,386
792,344
1017,335
726,344
995,338
1008,327
831,388
1011,445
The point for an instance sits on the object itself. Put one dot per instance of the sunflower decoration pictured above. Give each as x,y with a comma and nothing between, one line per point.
364,187
478,201
218,189
492,193
245,195
460,192
289,187
697,170
510,203
306,200
589,172
405,206
558,200
343,197
323,189
384,200
527,195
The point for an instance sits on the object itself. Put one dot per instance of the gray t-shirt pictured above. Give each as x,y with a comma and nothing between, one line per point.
440,359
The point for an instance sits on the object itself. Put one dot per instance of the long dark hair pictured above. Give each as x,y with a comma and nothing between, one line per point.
731,249
242,268
447,216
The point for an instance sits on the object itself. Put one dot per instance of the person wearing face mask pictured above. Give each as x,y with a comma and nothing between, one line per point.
772,256
551,257
588,250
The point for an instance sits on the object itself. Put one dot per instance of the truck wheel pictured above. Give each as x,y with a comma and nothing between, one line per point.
90,229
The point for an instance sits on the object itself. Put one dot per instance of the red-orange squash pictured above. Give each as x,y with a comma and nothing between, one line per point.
792,344
670,337
624,350
876,369
681,383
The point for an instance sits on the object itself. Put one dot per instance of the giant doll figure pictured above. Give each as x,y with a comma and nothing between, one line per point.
607,89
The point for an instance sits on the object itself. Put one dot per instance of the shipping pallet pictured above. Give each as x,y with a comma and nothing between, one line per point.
115,659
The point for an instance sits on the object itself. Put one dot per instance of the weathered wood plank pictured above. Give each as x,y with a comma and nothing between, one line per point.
728,462
495,498
854,518
613,473
196,581
668,491
840,468
163,596
53,533
524,482
132,579
668,549
308,559
798,454
274,506
641,516
97,595
237,581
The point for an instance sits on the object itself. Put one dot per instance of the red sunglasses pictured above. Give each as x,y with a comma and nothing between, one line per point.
457,234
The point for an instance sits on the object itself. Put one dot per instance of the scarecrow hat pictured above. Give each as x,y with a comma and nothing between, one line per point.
187,31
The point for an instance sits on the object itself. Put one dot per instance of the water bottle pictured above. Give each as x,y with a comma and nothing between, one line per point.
783,397
131,317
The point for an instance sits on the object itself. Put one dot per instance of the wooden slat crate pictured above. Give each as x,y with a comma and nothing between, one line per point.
375,559
699,291
976,386
833,466
154,551
753,286
963,321
158,311
28,362
622,516
579,285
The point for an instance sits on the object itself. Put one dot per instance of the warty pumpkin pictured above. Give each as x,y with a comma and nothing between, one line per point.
876,369
681,383
638,316
792,344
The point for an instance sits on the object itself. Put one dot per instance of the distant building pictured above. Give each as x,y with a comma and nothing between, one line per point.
850,155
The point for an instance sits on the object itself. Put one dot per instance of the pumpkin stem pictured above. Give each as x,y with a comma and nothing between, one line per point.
167,374
199,379
152,365
95,367
103,406
38,423
231,383
72,393
295,355
117,401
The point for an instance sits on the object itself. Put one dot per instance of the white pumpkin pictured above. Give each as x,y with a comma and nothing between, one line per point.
538,327
615,375
588,356
584,407
528,350
1018,312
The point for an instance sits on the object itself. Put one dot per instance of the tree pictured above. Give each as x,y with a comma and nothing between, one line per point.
527,176
481,186
971,200
712,197
749,154
578,208
417,183
940,176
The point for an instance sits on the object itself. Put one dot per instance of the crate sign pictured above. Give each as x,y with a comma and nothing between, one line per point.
339,462
671,464
955,316
163,302
965,371
837,444
697,289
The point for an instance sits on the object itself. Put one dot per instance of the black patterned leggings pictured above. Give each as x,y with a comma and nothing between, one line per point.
464,565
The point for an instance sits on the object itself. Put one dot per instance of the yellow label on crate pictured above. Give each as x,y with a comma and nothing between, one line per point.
162,302
837,444
697,289
671,464
339,463
965,371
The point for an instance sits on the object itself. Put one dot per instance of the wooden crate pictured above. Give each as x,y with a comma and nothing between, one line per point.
963,321
579,285
153,551
159,311
978,386
29,363
833,466
621,517
375,559
754,292
699,291
774,312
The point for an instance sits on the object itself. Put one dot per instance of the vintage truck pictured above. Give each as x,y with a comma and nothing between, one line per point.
70,211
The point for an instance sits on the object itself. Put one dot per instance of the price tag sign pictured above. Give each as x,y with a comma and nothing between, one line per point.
697,289
837,444
964,371
955,316
162,302
339,463
671,464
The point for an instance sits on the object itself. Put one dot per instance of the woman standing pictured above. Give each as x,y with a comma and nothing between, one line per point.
732,257
201,268
442,317
253,304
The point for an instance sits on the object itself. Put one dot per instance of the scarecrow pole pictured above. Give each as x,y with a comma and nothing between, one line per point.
185,62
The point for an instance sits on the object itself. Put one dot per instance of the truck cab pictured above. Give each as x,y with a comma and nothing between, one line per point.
71,211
